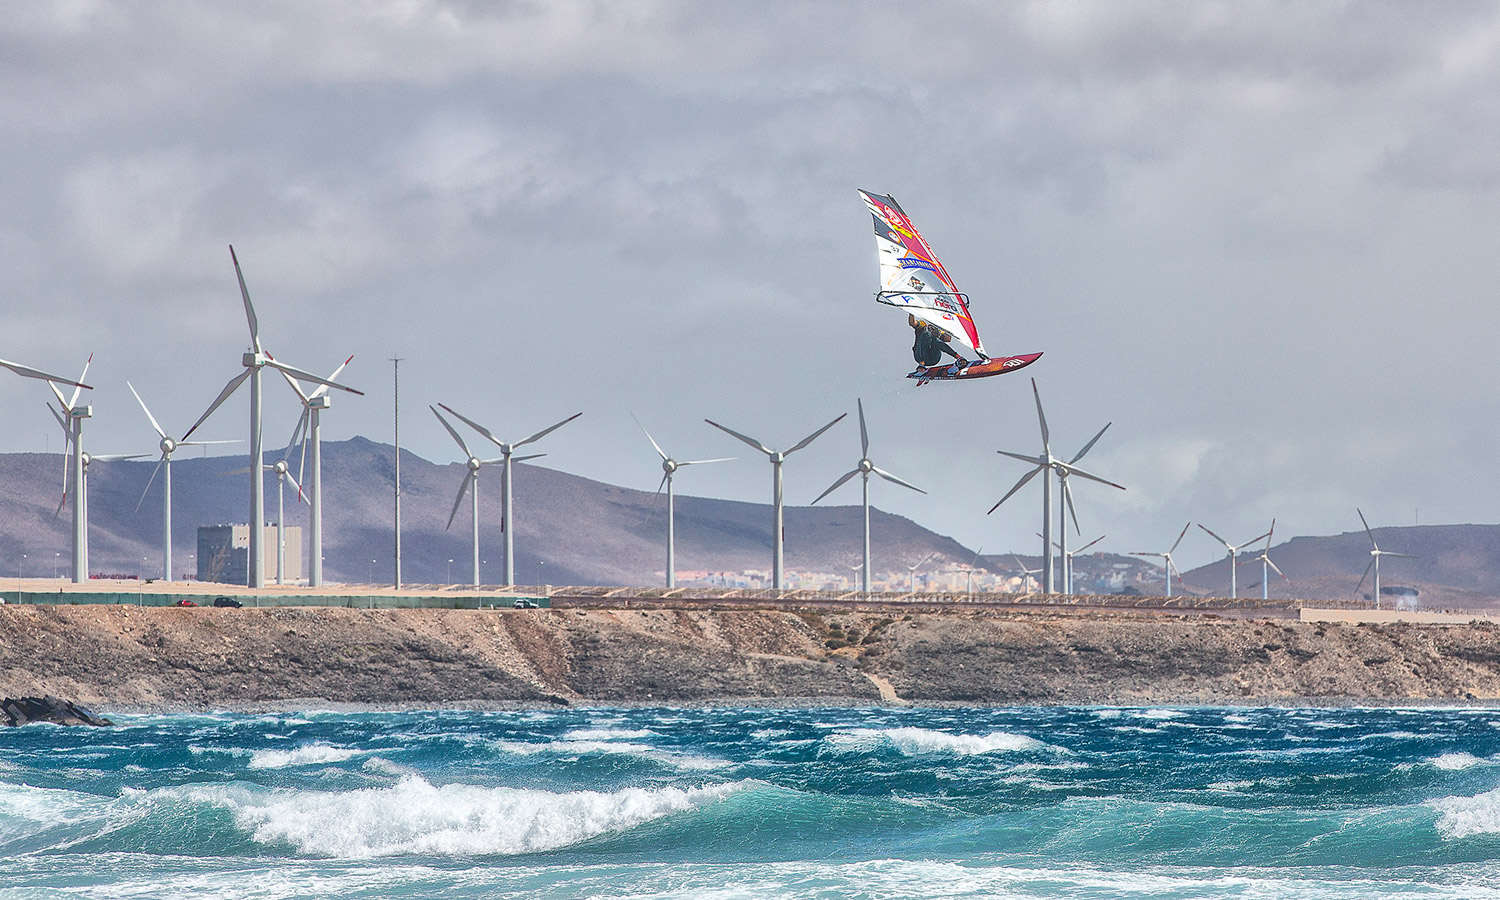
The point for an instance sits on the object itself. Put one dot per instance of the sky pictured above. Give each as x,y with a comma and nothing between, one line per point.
1256,237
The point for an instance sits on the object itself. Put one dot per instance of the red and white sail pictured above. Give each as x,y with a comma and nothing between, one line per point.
911,277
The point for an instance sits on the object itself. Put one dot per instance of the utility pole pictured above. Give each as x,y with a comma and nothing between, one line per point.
396,361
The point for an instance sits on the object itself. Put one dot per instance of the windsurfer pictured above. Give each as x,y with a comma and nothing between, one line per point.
931,343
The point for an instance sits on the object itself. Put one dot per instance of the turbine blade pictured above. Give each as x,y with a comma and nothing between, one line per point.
1399,555
699,462
146,411
663,483
1269,533
79,383
1091,543
835,486
864,435
1364,576
203,443
1179,538
462,489
117,457
1217,538
1254,540
1042,418
61,400
462,446
1020,484
1082,474
150,481
472,424
1277,570
1067,493
323,388
814,436
749,440
529,456
249,308
29,372
1367,529
1034,460
300,497
308,376
659,451
1090,445
894,480
229,388
62,423
302,423
546,431
301,394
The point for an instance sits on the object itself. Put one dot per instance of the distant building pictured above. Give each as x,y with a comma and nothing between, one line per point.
224,554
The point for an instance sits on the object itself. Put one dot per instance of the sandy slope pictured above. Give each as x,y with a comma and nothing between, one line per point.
121,656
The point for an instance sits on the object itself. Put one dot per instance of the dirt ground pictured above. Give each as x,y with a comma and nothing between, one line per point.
122,657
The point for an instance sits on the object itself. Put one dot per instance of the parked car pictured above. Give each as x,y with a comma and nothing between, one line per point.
184,603
525,603
227,603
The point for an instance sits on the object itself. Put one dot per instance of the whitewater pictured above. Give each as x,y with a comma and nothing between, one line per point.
754,803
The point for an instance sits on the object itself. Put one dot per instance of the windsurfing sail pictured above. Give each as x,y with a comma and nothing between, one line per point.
912,278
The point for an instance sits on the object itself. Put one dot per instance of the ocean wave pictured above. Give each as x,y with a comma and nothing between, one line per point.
607,734
1463,817
1453,762
920,741
672,758
416,817
306,755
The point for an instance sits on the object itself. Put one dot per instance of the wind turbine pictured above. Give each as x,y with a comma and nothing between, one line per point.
1169,567
310,430
1265,565
1027,575
164,465
1067,558
1375,554
863,469
669,467
911,572
778,530
76,468
254,361
507,522
969,576
1063,469
283,471
1234,549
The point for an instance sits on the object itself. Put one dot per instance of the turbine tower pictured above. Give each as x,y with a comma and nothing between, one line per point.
310,430
864,468
669,467
1375,554
1064,470
1027,575
1169,567
164,465
254,361
1233,549
1266,565
778,530
76,469
507,521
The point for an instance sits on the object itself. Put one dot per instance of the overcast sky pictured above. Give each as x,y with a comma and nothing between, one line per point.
1259,238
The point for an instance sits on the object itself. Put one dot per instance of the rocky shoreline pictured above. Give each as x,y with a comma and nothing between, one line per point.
132,658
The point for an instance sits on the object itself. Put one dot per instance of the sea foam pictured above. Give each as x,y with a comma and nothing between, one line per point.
416,817
308,755
918,741
1467,816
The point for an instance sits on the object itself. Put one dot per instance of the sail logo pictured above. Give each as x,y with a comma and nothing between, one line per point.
912,262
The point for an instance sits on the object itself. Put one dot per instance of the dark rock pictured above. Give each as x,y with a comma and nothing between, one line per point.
20,711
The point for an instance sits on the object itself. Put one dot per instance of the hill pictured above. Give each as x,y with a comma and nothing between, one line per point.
570,530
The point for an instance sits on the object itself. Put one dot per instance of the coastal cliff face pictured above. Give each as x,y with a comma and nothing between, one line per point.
131,657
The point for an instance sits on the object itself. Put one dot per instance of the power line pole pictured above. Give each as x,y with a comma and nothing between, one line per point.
396,361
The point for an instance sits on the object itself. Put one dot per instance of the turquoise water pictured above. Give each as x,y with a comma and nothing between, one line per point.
756,803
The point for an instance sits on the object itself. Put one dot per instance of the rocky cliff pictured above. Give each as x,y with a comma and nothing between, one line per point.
126,657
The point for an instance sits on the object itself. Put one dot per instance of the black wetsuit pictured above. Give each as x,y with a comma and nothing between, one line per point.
928,349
